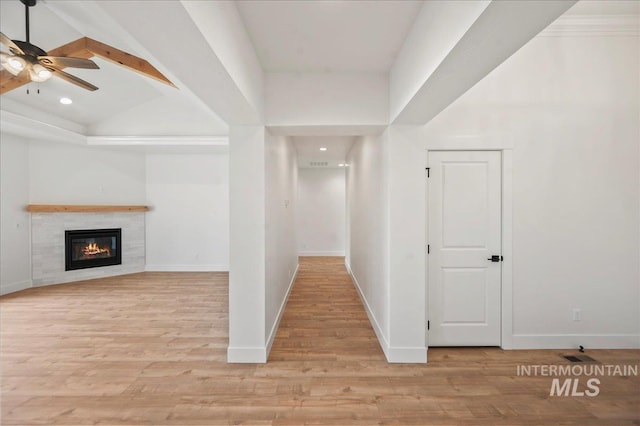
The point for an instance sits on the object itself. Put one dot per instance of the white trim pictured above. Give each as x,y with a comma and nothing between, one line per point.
259,355
31,128
246,355
573,341
186,268
467,143
402,355
339,253
158,140
393,354
506,310
12,288
506,292
40,130
276,324
593,25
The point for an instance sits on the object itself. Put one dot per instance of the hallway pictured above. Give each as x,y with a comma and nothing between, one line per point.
324,319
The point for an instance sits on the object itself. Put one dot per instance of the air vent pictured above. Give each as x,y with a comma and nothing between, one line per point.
579,358
318,163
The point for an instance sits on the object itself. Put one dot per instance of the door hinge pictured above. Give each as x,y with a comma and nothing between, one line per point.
428,171
428,325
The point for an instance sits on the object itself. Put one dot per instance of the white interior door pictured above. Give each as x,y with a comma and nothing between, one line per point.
464,233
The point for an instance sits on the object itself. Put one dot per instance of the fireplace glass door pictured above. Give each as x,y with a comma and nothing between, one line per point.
92,248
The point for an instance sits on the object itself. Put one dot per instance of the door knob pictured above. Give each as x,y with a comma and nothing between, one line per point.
496,258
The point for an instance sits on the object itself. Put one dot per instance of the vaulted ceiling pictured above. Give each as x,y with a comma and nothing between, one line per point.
127,103
219,55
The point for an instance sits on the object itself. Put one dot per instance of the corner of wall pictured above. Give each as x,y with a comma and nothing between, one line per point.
276,324
382,339
14,287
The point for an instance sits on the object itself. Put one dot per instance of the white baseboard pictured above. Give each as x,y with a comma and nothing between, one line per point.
394,354
573,341
339,253
259,355
417,355
186,268
372,318
246,355
13,287
276,324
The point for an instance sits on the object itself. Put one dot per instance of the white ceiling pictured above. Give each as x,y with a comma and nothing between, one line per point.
288,36
308,150
328,36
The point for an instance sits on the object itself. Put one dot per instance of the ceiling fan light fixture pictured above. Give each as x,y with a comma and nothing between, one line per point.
39,73
13,64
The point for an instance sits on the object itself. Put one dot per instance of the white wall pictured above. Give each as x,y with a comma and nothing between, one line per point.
281,179
68,174
326,99
15,254
187,228
321,212
367,221
568,105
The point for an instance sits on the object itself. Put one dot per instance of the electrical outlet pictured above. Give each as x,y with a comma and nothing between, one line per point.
577,315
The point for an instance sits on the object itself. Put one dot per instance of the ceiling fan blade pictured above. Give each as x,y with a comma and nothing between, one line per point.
73,79
10,44
64,61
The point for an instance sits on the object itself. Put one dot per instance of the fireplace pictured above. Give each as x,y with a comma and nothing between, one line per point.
92,248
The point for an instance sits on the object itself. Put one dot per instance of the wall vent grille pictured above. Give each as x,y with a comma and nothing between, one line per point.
318,163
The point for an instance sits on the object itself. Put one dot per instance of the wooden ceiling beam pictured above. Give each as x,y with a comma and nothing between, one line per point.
76,49
87,48
126,60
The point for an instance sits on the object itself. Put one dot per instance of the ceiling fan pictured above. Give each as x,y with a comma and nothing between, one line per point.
28,60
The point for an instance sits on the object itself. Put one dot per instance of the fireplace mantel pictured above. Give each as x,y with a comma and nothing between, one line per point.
72,208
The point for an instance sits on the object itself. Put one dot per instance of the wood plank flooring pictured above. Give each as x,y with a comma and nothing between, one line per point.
151,349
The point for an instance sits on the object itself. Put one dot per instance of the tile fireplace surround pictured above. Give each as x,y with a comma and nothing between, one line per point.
47,242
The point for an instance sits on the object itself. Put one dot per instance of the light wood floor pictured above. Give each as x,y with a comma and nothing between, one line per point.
151,349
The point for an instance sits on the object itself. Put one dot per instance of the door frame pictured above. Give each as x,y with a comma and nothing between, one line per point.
506,286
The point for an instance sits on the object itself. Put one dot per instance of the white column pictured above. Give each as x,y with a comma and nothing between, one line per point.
407,245
247,245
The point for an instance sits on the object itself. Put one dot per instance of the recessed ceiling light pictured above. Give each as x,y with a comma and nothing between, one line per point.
323,149
340,165
66,101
